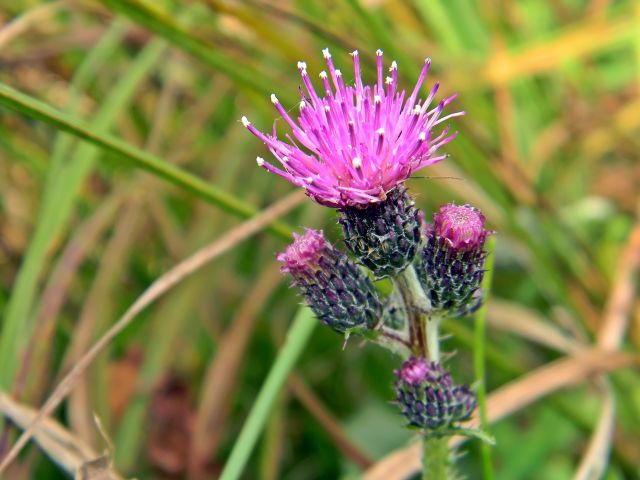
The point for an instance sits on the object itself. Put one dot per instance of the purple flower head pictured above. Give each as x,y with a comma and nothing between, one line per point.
304,253
355,143
461,225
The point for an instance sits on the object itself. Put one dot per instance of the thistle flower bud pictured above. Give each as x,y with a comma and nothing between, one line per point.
461,226
338,292
385,236
428,398
451,266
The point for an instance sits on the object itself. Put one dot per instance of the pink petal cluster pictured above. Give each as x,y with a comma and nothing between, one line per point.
461,225
304,253
414,371
353,144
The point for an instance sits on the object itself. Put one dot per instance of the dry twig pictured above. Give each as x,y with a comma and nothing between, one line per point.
594,462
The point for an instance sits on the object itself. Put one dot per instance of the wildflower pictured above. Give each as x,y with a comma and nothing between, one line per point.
354,144
451,266
338,292
428,397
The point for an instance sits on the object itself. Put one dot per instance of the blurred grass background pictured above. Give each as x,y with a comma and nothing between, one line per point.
549,150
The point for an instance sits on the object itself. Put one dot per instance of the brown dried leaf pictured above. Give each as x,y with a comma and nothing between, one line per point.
171,425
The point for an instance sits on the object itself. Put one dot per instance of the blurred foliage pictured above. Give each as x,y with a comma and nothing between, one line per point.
548,149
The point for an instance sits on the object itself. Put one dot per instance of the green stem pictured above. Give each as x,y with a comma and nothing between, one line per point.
419,298
433,338
436,450
435,458
416,304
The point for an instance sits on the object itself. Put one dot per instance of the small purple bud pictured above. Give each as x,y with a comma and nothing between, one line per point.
451,264
338,292
461,225
428,397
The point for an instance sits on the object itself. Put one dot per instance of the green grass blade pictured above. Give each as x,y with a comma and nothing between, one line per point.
60,196
18,101
479,358
297,338
16,324
162,24
85,73
435,15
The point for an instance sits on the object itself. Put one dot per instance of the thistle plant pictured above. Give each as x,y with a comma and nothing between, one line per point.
352,148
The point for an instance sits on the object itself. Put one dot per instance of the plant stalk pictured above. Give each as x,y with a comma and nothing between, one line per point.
435,449
435,458
433,338
416,305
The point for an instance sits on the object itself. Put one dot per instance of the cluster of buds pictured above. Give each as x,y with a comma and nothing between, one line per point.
352,149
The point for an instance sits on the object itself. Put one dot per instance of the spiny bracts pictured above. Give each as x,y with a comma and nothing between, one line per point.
384,237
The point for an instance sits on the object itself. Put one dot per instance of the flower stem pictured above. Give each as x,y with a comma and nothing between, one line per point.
436,449
419,298
433,338
435,461
435,458
416,304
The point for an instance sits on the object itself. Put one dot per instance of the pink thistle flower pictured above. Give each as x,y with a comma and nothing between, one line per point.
355,144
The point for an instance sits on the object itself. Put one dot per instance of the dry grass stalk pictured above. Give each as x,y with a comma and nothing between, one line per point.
594,461
32,17
613,328
528,324
36,364
617,311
